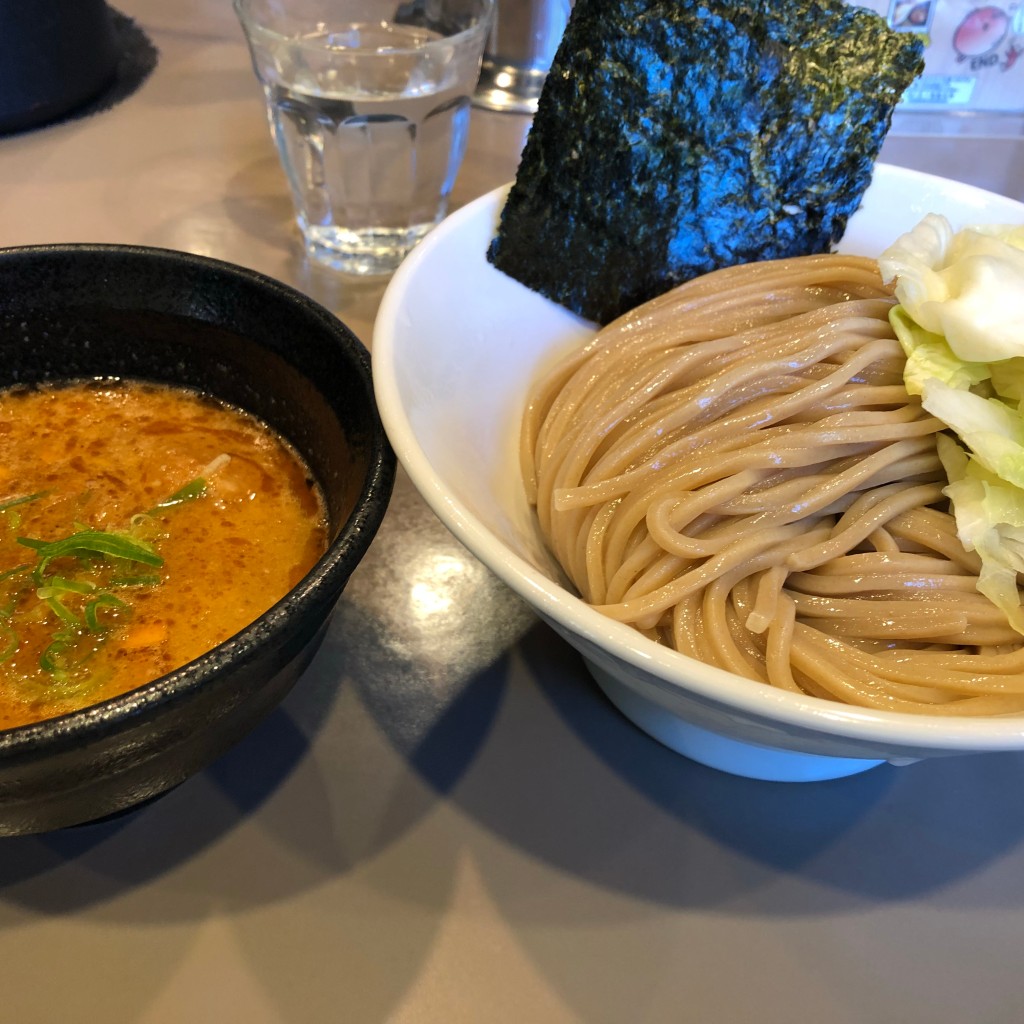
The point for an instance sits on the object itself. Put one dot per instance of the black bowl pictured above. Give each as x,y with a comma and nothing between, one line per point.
55,55
79,311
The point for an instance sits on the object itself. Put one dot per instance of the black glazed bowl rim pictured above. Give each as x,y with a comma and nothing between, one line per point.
328,575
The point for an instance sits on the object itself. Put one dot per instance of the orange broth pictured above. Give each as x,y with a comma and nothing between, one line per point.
98,458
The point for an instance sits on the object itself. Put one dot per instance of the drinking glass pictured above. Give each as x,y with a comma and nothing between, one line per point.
519,51
369,106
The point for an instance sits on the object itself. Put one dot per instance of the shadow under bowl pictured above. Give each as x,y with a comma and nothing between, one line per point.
82,311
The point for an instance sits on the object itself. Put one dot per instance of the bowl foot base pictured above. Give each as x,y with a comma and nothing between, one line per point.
749,760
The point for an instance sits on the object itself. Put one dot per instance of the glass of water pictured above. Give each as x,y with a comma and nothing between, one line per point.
369,105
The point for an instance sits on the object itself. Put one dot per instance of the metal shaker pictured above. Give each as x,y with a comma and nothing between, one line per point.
518,54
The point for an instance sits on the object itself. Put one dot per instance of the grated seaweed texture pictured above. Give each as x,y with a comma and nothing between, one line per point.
676,136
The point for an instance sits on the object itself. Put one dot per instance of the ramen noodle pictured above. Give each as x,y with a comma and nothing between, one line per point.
736,470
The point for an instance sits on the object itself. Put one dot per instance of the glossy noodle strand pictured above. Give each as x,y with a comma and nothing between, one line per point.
736,470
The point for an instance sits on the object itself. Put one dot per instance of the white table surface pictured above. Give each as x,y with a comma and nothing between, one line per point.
445,822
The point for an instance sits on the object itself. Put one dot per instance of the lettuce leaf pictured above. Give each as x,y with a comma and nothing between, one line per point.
990,521
1007,378
991,429
930,357
964,286
960,322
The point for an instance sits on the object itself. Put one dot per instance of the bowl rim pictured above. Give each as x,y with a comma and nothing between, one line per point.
354,535
666,668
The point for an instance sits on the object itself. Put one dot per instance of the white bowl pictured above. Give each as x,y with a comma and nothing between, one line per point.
455,347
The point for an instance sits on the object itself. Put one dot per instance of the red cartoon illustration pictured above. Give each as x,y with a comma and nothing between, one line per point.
980,32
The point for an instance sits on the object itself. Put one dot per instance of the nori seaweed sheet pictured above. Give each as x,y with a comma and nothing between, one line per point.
677,136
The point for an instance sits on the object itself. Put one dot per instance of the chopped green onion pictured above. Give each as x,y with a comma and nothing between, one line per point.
62,611
92,542
88,545
9,638
8,573
14,502
190,492
92,613
57,585
7,610
52,658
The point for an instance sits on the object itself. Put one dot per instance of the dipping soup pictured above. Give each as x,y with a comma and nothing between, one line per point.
140,526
